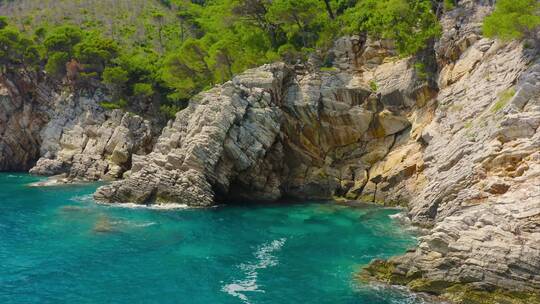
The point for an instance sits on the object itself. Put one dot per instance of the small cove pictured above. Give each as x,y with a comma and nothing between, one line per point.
58,246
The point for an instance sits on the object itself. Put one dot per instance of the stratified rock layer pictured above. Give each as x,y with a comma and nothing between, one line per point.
223,132
480,189
483,194
66,133
277,131
456,141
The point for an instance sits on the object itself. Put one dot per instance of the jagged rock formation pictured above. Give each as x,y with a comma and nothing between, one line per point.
69,133
83,141
275,132
481,178
457,142
481,182
483,190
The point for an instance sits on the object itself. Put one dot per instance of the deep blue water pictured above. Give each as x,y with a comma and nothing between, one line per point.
58,246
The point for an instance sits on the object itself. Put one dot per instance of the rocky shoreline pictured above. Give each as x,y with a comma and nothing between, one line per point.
456,141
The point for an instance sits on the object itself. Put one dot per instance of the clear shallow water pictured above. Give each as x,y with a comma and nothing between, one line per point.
58,246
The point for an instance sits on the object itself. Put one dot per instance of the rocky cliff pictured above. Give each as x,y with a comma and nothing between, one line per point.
481,159
83,141
459,145
67,133
21,119
283,132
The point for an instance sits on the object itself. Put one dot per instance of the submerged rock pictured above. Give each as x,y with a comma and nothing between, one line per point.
103,225
74,209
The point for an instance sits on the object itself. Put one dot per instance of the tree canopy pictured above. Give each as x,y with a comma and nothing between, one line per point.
410,23
190,45
513,19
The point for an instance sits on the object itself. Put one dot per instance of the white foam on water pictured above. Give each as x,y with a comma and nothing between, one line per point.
133,224
142,225
397,216
83,198
406,296
46,183
170,206
402,219
55,181
265,258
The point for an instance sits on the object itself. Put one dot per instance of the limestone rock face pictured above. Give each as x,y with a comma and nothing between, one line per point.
70,134
483,190
83,141
20,125
460,29
457,144
480,187
277,132
463,157
225,137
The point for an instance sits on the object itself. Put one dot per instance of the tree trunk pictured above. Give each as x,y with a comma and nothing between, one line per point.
329,9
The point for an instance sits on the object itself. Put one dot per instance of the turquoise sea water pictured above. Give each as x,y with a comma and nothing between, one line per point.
58,246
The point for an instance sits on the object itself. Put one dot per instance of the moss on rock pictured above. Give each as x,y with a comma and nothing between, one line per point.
382,271
429,286
460,293
379,270
467,294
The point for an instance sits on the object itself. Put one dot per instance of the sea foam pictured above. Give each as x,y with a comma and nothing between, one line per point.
169,206
264,258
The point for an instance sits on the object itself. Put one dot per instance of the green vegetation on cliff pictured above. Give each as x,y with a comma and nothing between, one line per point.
513,19
409,23
459,293
171,50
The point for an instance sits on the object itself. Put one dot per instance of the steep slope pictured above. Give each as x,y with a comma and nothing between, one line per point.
456,141
21,120
482,160
273,132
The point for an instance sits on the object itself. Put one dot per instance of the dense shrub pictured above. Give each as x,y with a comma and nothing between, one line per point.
513,19
410,23
143,90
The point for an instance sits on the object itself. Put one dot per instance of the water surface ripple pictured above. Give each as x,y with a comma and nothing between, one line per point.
58,246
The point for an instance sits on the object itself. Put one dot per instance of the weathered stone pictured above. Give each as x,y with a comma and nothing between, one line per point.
20,124
271,133
391,124
86,142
